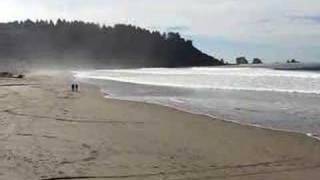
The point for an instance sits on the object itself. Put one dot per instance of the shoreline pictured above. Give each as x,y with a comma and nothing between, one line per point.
212,117
310,135
110,96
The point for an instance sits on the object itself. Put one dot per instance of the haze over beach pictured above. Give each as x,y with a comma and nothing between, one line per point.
170,90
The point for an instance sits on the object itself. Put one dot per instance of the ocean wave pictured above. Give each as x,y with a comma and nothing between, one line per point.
246,72
241,79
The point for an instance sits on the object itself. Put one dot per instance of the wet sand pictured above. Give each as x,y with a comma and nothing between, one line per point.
50,133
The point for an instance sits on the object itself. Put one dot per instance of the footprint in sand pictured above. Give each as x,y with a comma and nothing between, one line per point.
65,111
92,156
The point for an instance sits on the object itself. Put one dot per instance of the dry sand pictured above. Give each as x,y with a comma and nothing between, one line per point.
47,132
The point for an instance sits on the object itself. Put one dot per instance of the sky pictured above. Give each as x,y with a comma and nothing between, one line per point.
273,30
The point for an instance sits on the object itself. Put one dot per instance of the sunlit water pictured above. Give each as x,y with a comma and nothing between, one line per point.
288,100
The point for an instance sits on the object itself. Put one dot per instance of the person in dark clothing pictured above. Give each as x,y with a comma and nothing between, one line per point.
72,87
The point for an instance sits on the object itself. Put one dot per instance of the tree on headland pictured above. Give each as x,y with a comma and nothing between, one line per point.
257,61
241,60
66,42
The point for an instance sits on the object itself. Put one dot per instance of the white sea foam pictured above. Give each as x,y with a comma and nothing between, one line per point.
248,79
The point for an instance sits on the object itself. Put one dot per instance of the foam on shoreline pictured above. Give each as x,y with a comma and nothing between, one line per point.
110,96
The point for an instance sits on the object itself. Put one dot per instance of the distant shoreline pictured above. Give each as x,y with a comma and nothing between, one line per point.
282,66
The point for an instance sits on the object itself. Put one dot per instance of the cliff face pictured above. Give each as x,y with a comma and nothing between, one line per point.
118,45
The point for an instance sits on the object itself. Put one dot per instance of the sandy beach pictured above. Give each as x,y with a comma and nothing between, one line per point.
50,133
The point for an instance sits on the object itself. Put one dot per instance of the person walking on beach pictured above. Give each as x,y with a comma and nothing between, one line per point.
72,87
77,87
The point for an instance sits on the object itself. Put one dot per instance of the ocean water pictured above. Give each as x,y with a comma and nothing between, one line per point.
279,99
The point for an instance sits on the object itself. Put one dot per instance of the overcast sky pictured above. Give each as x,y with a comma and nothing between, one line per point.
274,30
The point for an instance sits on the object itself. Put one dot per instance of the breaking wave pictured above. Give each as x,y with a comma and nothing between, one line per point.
244,79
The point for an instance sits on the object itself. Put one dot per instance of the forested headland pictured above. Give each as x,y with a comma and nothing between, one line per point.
76,43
